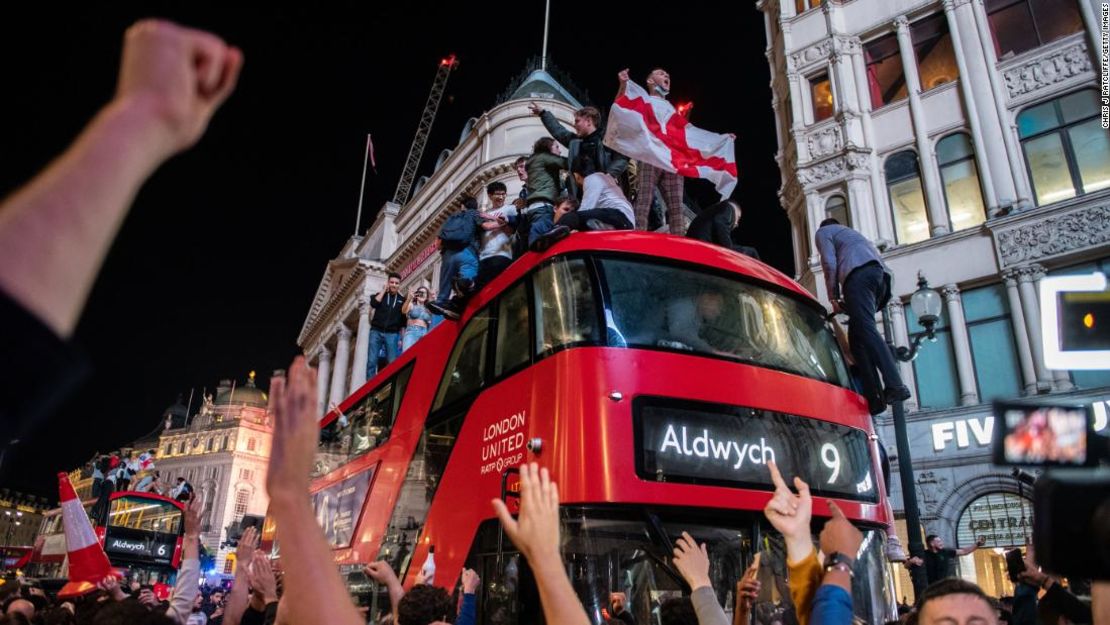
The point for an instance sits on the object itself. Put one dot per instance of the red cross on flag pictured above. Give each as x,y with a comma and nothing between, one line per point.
88,564
647,128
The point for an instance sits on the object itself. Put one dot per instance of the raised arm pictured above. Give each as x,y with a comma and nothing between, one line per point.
56,230
554,128
239,596
382,573
622,77
313,589
982,540
790,514
186,589
832,603
692,561
536,534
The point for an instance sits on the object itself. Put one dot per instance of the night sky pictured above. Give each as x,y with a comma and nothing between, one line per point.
214,270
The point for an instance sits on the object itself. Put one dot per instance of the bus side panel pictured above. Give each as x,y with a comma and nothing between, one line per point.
396,453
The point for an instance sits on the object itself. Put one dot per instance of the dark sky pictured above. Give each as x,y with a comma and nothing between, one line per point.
214,270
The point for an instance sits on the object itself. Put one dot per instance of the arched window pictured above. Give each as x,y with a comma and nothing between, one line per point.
962,193
837,208
467,128
441,159
1066,149
907,200
242,502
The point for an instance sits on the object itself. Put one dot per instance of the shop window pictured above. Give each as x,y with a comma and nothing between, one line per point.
820,91
958,172
836,207
935,366
907,199
1020,25
886,79
1066,149
1094,378
990,330
932,44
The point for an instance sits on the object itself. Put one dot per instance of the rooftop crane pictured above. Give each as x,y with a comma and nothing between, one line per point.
404,185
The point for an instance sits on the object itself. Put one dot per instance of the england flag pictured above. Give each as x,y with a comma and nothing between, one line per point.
649,129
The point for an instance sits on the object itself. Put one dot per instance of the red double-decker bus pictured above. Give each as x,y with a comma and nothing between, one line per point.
655,376
141,534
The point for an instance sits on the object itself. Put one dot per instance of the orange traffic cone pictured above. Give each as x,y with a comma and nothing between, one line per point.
88,564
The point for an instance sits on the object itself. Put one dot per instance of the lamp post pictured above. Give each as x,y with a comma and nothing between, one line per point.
926,306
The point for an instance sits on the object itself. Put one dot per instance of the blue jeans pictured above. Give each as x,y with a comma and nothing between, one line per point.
543,220
378,339
462,263
412,335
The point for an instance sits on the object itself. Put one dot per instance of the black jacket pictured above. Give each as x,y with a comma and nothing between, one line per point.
606,160
714,225
387,312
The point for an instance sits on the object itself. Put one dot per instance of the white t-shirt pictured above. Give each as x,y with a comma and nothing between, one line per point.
599,190
497,242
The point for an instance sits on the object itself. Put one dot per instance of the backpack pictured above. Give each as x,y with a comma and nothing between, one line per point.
459,230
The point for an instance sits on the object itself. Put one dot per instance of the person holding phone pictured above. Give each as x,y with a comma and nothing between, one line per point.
940,563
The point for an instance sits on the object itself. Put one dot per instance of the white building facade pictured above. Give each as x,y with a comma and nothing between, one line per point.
223,450
964,138
336,334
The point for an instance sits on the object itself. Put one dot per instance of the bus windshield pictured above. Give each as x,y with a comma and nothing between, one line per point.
653,305
146,514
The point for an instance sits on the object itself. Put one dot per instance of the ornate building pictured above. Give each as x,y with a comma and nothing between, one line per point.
222,450
964,138
335,335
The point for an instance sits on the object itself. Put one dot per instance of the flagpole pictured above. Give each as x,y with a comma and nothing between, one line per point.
362,187
546,19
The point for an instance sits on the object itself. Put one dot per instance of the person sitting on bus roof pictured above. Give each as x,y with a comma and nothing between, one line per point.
603,206
586,140
183,491
544,169
858,284
150,484
715,225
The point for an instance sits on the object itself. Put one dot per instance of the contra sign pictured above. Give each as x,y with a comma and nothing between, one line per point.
693,442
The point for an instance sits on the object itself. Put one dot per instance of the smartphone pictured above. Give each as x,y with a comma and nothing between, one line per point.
1037,434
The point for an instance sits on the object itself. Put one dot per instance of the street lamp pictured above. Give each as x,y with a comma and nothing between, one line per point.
926,306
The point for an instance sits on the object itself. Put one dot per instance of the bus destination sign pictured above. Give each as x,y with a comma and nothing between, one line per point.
699,443
143,549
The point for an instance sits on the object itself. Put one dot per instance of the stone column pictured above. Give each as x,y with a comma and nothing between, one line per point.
1006,122
930,177
342,356
979,146
362,344
1017,316
897,316
1031,306
965,365
323,379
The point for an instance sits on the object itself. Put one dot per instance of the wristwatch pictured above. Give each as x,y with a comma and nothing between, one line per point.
840,562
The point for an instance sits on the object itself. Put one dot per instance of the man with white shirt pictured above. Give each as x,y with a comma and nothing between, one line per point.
603,206
496,251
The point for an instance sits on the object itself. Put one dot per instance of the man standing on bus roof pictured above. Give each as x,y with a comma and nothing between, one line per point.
858,284
385,327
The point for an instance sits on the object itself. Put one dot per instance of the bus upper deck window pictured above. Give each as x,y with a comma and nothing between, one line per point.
566,312
666,307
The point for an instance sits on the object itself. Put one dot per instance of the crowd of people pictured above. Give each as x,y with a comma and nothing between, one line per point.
172,81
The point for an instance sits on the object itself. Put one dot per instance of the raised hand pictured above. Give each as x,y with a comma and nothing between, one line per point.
470,581
381,572
839,535
248,542
180,76
536,531
261,578
192,518
295,433
790,514
536,109
692,561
